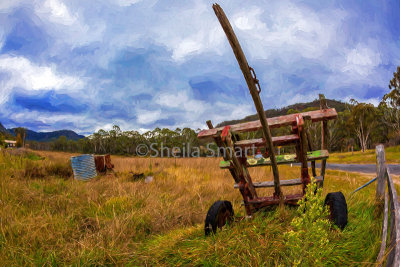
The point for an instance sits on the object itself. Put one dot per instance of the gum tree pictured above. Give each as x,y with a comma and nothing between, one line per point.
363,120
390,104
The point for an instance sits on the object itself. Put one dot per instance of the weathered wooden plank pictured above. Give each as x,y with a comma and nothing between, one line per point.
384,232
281,159
242,170
226,156
323,167
381,171
324,132
393,258
276,140
252,83
324,123
290,182
275,122
303,156
310,148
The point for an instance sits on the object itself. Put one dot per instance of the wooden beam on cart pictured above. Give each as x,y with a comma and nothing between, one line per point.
310,148
238,173
226,156
324,132
290,182
260,142
240,165
275,122
281,159
252,84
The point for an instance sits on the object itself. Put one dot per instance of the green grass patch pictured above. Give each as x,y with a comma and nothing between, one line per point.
33,156
282,236
368,157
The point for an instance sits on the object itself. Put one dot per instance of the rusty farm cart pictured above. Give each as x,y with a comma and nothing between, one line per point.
228,138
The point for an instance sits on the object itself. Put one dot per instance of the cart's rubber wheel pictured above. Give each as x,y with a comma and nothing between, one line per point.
219,214
337,208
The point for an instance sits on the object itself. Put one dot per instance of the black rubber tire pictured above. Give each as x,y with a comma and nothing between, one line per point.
337,208
219,214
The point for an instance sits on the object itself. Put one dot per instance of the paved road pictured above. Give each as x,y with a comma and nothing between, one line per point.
365,168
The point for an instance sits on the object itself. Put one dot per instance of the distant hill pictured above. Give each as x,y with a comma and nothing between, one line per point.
338,105
3,129
49,136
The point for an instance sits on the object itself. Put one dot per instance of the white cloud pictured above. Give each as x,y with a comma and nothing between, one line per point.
186,47
172,100
228,111
188,108
127,2
287,30
249,20
57,12
360,65
189,31
24,74
148,117
7,5
65,22
194,107
361,60
184,108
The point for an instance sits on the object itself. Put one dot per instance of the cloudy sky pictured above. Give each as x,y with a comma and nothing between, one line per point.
87,65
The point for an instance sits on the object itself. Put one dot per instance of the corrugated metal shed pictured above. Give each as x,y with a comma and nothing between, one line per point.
84,167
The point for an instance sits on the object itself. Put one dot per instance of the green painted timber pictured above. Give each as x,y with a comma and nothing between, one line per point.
281,159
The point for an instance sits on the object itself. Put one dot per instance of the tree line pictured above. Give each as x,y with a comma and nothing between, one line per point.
116,141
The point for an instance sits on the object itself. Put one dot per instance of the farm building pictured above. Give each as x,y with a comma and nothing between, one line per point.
10,143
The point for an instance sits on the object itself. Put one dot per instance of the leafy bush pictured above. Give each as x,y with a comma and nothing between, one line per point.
308,237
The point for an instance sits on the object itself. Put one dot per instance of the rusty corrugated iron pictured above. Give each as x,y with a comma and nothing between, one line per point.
103,163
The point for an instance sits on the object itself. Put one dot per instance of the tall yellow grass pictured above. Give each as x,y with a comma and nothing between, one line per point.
103,221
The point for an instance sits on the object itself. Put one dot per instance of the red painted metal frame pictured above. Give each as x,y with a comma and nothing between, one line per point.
225,132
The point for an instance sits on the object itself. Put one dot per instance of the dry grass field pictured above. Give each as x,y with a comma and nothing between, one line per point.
49,218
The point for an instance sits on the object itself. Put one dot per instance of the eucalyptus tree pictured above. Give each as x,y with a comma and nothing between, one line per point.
363,120
390,104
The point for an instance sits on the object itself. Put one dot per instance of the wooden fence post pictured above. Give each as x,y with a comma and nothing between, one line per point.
381,169
392,205
393,258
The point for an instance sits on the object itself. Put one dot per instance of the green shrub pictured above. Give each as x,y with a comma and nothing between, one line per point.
307,241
